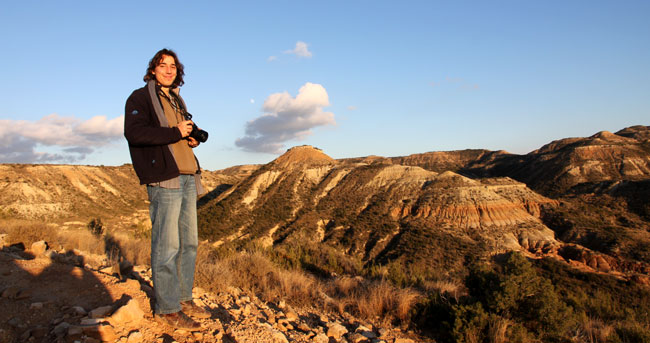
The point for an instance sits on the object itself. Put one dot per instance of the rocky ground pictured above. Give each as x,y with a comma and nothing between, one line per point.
50,296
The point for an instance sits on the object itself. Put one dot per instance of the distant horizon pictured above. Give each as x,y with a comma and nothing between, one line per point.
325,152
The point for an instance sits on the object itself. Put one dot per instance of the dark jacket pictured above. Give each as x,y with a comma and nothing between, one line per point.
148,138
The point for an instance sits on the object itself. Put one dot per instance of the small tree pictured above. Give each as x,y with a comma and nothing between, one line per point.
516,293
96,227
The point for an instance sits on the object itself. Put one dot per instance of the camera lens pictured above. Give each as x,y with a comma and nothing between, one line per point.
198,134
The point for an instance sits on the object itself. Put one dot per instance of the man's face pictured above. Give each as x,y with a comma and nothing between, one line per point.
165,71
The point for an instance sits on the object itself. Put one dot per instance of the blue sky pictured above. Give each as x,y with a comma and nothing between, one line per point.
354,78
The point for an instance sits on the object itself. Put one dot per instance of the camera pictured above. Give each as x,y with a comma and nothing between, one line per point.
198,134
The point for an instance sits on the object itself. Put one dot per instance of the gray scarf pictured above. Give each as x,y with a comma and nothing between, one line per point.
160,113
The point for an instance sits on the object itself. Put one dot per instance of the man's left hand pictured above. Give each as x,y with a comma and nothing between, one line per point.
193,143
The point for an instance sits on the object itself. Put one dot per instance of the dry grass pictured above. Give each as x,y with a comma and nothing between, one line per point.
212,274
449,288
498,329
82,240
250,271
473,335
27,232
254,272
595,331
345,286
121,245
300,287
381,299
115,246
372,299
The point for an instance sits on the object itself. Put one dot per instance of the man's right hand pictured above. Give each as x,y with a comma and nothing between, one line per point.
185,127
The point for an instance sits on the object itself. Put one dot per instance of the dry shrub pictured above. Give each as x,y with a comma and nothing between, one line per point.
296,285
377,300
255,273
82,240
448,288
212,274
595,331
473,335
497,329
346,286
121,245
381,299
27,232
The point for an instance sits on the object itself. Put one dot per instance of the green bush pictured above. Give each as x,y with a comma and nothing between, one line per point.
515,292
633,332
470,323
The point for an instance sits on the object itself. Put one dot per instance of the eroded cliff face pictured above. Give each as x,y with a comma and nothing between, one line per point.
442,161
65,191
366,207
601,157
409,208
561,165
463,203
75,193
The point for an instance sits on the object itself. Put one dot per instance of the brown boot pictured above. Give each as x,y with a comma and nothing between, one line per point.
178,320
194,310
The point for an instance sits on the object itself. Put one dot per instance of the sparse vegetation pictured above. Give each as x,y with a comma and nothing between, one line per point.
112,245
518,300
597,223
515,300
256,272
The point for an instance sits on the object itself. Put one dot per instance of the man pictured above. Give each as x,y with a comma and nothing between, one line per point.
161,152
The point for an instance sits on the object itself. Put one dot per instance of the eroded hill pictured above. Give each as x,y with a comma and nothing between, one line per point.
77,194
576,199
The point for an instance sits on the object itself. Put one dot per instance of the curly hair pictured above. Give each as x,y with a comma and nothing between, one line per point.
155,61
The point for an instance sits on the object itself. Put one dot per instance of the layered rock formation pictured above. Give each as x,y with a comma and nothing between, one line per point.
63,191
365,208
447,205
74,193
560,165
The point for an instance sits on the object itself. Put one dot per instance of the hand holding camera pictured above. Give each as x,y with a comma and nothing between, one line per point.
196,133
185,127
189,129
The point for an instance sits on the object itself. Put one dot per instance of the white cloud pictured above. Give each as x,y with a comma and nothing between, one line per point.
100,126
286,118
271,58
300,50
20,138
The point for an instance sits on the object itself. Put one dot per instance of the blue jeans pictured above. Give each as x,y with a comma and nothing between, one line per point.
173,243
